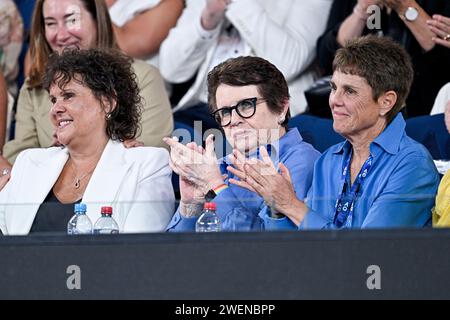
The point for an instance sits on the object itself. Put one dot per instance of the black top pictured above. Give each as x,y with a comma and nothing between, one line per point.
52,215
431,69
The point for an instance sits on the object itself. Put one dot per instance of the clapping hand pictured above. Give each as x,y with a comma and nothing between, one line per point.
440,25
195,164
262,177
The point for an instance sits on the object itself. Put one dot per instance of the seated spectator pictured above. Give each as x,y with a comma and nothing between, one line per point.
440,25
249,98
95,106
378,177
11,35
141,26
405,21
442,99
59,24
441,212
211,31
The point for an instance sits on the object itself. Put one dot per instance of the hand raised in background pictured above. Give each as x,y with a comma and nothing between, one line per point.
440,25
214,13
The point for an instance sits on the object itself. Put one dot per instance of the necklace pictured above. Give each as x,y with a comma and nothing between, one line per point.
78,179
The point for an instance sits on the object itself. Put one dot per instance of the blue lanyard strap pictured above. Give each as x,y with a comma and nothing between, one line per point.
345,202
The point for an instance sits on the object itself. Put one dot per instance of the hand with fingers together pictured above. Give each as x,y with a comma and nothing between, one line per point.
440,25
192,196
262,177
197,168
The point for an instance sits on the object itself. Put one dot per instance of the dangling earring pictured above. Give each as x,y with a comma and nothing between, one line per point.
108,116
281,120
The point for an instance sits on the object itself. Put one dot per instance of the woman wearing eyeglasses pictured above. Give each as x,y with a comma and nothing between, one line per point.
379,177
249,98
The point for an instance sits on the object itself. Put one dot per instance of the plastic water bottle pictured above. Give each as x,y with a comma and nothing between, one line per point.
106,224
208,221
80,222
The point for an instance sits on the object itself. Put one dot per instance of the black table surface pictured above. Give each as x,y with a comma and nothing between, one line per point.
357,264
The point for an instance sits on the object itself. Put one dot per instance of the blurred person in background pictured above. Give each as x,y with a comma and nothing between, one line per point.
212,31
404,21
141,26
11,37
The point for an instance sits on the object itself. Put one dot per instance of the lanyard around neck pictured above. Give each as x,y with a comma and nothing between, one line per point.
345,202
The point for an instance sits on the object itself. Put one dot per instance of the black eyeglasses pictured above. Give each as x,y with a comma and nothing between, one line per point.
245,108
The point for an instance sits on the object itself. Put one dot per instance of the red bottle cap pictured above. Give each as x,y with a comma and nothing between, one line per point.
209,206
106,210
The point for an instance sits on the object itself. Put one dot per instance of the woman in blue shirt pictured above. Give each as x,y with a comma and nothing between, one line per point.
378,177
249,99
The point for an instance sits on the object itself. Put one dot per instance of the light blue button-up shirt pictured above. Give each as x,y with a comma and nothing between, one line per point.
243,210
399,190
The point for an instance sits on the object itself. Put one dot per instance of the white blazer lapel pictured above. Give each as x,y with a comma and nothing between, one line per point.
34,181
106,180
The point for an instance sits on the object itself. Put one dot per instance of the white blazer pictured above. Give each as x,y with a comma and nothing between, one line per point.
136,182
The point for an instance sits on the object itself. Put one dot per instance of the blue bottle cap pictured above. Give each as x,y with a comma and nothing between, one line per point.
80,207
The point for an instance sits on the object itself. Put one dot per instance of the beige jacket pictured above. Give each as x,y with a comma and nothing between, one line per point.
35,130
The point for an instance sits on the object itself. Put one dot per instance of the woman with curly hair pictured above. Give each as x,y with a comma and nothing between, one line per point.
95,107
81,24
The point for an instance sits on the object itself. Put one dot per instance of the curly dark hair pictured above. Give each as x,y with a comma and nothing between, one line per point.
108,74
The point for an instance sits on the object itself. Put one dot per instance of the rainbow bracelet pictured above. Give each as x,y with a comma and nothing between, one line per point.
220,188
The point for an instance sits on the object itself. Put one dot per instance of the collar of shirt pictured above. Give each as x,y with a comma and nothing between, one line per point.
276,149
388,140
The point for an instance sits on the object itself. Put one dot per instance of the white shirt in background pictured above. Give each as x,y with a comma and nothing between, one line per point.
441,101
123,11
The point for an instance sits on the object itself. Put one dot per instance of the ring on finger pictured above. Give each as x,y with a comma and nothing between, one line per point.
447,37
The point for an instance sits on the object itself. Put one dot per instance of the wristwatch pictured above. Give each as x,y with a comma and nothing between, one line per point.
210,195
274,214
411,14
